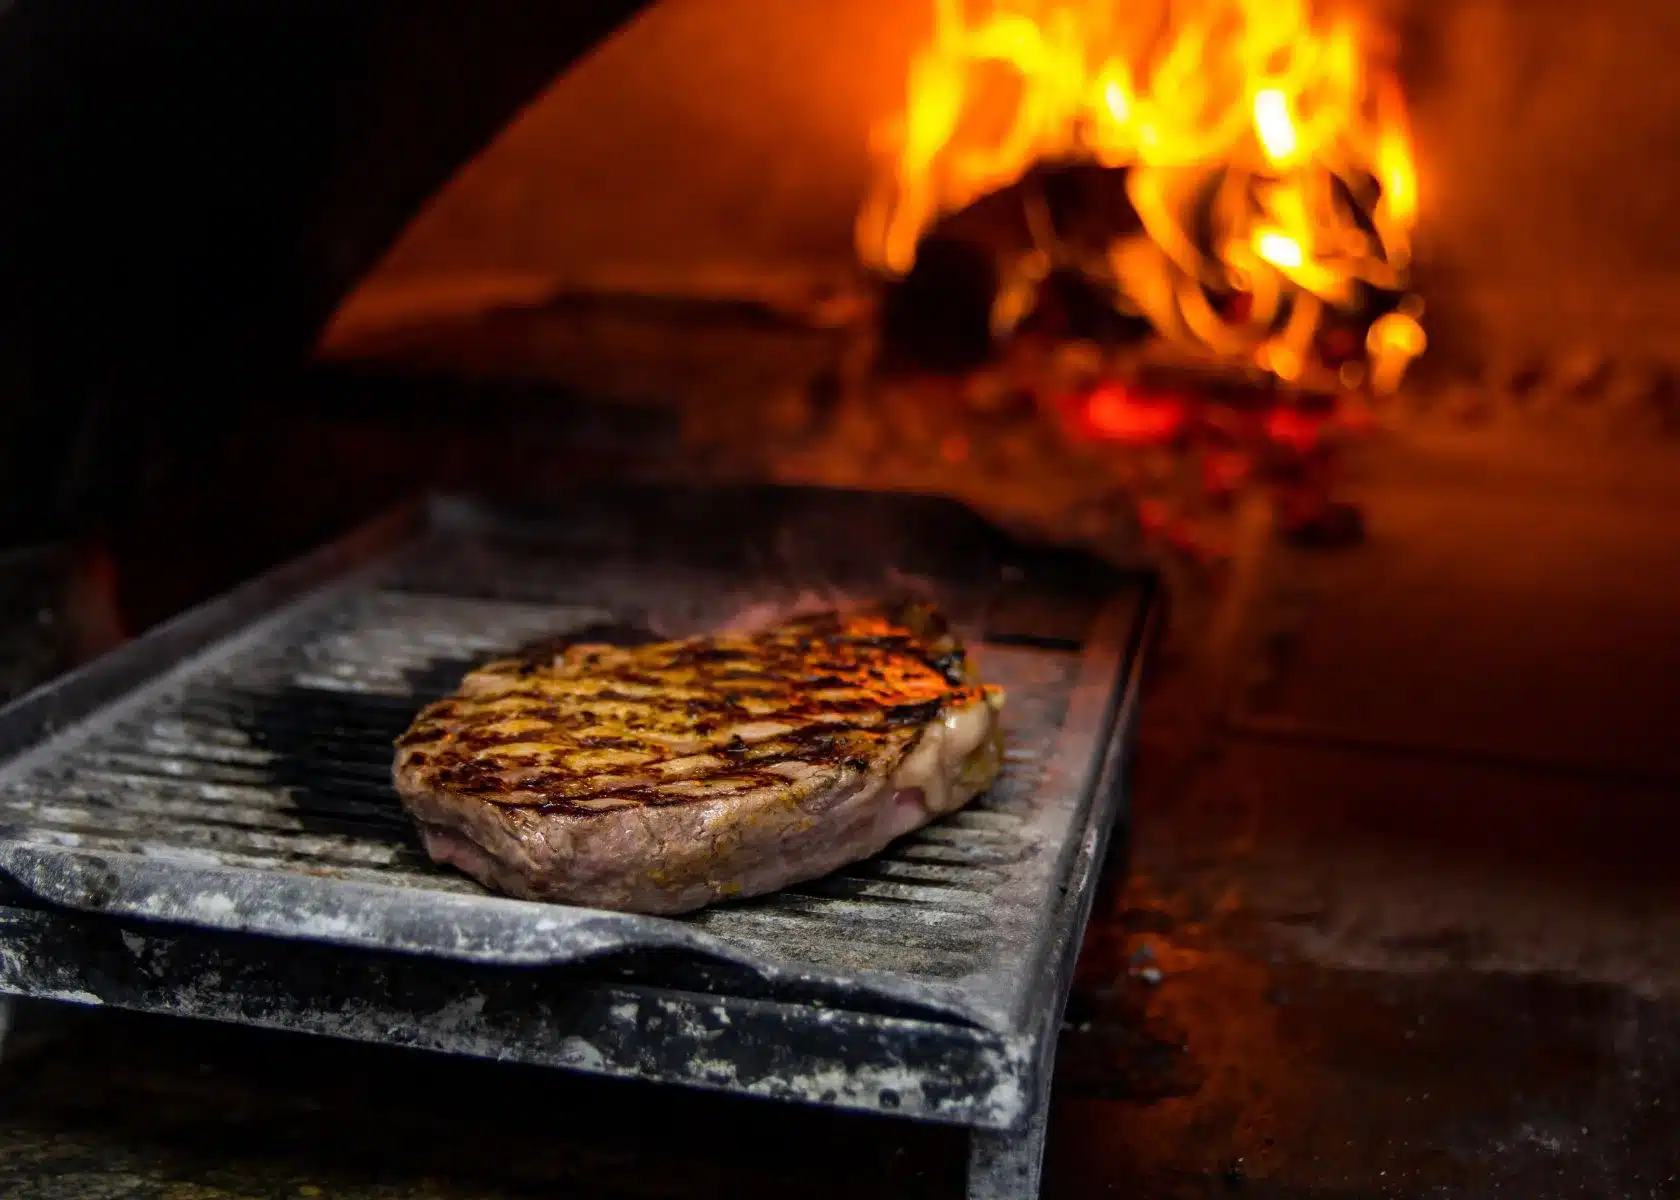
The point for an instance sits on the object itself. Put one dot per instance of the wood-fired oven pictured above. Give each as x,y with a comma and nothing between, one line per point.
1357,324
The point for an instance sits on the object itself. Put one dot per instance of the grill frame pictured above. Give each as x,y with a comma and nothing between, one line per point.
614,994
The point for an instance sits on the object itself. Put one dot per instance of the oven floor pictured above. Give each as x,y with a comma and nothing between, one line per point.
1274,1001
1348,954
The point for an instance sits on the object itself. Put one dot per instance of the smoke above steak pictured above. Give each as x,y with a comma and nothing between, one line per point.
665,776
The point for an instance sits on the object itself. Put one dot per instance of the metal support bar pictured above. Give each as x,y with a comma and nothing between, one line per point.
564,1017
1010,1165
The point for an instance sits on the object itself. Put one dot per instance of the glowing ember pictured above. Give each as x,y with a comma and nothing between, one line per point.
1297,430
1272,442
1225,471
1118,413
1265,146
1392,342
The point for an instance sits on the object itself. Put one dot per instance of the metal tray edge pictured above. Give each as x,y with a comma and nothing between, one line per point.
36,716
403,921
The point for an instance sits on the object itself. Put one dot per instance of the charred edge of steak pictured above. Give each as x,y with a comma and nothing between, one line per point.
914,714
926,625
941,649
534,656
926,631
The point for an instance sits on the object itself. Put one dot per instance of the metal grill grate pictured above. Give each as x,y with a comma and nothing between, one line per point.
278,759
248,787
228,776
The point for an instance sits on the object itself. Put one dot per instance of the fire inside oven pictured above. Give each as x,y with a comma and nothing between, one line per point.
1182,234
1107,273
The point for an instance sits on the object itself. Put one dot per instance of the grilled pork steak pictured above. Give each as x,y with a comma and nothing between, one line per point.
661,777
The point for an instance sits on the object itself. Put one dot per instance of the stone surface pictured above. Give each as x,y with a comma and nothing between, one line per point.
1313,972
1516,600
1401,925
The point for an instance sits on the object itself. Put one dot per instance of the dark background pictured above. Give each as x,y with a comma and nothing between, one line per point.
190,186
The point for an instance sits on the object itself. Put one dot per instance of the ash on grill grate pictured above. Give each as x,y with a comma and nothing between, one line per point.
279,759
248,788
229,776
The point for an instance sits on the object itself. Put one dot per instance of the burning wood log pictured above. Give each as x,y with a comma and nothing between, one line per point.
1239,175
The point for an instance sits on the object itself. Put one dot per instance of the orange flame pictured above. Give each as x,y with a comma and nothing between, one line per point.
1267,152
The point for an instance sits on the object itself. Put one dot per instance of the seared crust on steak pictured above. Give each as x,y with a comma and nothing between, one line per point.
664,776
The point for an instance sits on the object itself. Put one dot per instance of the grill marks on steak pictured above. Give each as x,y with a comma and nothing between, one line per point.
661,776
594,725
